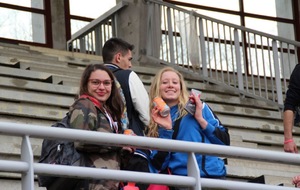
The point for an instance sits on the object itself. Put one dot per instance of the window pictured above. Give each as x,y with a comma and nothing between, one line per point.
23,21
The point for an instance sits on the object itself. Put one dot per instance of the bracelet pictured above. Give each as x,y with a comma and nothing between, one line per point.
288,141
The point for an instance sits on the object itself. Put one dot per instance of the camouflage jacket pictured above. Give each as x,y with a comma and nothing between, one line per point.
86,116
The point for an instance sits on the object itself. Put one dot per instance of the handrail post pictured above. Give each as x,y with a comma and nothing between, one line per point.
27,156
150,32
193,170
82,45
238,60
277,73
202,46
170,36
98,41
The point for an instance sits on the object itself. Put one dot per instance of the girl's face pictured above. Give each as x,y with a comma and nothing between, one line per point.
170,88
100,85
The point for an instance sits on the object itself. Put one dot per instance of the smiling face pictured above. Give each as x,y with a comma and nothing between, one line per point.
100,85
170,88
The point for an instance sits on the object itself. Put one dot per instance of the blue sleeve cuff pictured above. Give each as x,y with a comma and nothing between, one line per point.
209,129
165,134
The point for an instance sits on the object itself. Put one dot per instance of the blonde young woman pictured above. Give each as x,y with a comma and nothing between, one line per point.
202,127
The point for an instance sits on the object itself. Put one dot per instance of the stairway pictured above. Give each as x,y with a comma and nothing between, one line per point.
37,85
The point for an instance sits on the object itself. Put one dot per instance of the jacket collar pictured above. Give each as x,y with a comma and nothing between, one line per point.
112,65
94,100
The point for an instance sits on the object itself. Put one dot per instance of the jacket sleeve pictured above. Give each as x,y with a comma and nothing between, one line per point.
84,116
140,98
215,131
159,159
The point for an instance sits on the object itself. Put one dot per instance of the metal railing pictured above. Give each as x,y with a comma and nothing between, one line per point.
91,38
249,62
28,168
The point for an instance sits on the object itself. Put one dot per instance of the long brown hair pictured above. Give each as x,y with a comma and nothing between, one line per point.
154,91
114,103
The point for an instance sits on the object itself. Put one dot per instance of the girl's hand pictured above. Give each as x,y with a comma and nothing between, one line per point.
128,149
296,181
165,122
198,113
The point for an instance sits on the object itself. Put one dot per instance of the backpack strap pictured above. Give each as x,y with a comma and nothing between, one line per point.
176,127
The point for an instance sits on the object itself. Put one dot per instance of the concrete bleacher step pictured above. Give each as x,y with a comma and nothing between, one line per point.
74,58
15,184
10,146
32,111
264,165
26,54
37,86
17,95
236,140
63,71
39,74
247,112
250,173
259,137
24,74
273,180
240,121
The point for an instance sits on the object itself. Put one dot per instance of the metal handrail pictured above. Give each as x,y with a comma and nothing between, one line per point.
28,168
249,62
91,38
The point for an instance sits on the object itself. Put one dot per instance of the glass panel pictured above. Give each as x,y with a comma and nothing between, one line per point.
39,4
274,8
271,27
228,4
90,8
22,25
77,25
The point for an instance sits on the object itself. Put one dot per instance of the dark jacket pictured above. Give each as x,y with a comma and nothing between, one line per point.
135,122
292,99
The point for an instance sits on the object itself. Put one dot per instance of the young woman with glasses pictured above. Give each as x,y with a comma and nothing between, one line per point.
98,107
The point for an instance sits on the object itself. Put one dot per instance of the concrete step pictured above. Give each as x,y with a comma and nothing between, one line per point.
15,184
17,95
36,86
32,111
24,74
274,180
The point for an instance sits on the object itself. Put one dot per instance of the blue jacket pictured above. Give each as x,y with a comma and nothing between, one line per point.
190,130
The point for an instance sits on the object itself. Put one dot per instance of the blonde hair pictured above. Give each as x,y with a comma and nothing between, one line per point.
154,92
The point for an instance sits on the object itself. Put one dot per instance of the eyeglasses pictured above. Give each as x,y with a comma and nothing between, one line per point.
97,83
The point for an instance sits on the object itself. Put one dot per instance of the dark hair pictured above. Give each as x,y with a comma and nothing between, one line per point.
114,46
114,103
